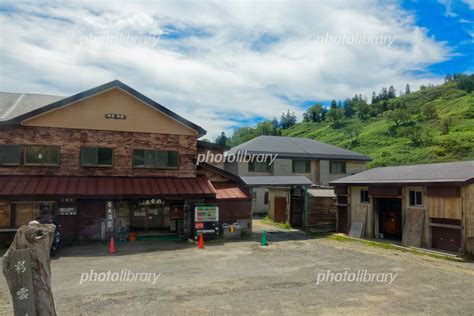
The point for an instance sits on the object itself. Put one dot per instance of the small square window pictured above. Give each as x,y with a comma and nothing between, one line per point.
416,198
364,196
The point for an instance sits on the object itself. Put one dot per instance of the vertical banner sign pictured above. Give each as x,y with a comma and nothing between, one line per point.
22,293
109,217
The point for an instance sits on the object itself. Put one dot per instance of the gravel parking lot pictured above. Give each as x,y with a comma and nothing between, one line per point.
243,278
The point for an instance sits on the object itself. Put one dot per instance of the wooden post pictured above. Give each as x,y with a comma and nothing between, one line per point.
21,287
31,245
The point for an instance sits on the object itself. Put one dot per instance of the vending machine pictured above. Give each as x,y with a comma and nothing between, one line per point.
206,221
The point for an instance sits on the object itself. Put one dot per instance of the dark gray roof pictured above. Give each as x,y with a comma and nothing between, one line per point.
296,147
276,180
35,104
16,104
429,173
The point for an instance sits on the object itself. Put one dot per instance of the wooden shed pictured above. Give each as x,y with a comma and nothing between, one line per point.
429,205
321,210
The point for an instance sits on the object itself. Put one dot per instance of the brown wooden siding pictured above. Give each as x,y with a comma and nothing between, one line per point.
340,190
444,207
5,214
443,191
232,210
321,214
385,191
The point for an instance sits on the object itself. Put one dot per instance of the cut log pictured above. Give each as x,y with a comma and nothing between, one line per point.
37,239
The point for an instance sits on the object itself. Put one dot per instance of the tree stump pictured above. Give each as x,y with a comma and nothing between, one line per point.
37,239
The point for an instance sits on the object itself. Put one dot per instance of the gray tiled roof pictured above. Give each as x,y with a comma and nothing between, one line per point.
429,173
16,104
296,147
276,180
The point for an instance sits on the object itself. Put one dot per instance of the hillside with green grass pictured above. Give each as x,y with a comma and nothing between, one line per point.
435,124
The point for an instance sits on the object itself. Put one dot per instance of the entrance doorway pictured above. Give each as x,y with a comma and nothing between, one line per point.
342,220
296,211
150,217
280,209
389,212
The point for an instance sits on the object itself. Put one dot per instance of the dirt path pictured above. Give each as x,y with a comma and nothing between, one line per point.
243,278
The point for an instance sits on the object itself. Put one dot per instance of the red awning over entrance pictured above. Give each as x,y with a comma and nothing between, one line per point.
50,186
230,191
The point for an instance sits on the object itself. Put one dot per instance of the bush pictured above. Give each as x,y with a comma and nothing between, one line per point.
429,111
446,123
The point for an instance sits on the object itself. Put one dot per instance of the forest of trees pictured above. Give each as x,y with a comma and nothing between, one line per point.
351,113
268,127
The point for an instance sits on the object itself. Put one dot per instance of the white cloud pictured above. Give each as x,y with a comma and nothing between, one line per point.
229,61
448,5
470,3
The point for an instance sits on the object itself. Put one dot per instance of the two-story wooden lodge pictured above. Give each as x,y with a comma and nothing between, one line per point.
104,159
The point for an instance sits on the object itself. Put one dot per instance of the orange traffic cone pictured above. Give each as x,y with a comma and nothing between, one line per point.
201,242
112,246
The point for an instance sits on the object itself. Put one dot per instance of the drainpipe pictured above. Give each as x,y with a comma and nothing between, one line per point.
305,209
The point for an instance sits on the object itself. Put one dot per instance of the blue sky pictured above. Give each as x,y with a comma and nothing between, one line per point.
224,64
452,22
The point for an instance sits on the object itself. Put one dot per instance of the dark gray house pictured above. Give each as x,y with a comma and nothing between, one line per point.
321,163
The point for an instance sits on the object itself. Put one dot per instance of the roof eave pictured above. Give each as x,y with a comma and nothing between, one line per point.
403,183
307,156
112,84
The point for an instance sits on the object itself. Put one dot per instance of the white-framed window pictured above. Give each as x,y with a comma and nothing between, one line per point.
415,198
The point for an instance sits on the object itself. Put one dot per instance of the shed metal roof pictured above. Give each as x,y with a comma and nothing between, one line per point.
296,147
230,191
322,193
277,181
427,173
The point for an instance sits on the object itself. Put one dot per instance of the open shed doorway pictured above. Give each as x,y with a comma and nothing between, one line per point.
389,213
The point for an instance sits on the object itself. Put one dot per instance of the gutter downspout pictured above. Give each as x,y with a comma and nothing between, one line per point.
305,209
